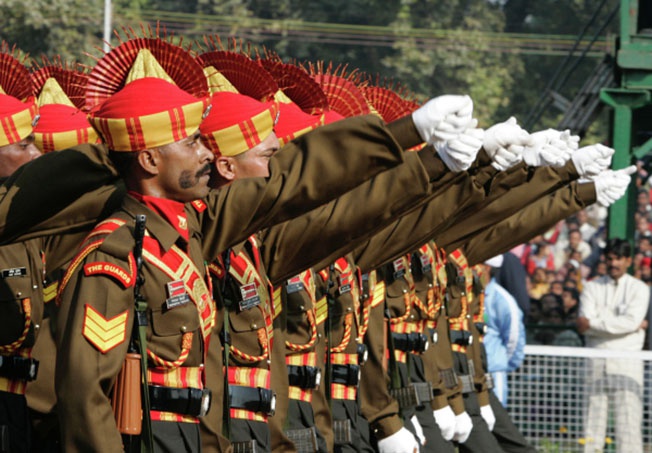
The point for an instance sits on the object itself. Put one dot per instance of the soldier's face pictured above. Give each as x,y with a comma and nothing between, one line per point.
255,162
184,168
14,155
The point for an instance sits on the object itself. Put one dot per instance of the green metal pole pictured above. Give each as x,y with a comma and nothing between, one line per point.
623,101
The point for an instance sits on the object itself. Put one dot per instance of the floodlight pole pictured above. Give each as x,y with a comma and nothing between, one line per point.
107,25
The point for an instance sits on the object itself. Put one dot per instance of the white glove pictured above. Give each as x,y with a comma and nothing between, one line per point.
592,160
402,441
445,418
610,185
550,148
504,143
459,153
463,427
418,430
488,416
443,117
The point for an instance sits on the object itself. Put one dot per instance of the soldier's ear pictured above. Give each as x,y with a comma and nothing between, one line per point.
225,166
148,159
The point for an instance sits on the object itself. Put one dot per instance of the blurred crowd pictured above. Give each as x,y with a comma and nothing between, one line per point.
558,263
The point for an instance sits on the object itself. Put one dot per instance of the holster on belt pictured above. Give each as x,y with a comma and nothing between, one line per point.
126,401
342,432
304,440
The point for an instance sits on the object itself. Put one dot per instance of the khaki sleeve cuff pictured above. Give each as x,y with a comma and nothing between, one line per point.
483,398
586,193
439,402
433,164
456,403
387,426
405,132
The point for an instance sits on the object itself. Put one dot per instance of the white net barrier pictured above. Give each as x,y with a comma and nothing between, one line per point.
583,400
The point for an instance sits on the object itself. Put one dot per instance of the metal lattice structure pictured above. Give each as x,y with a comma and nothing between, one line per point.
549,396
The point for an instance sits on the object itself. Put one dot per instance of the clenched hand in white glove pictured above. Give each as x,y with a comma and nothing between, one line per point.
610,185
550,148
463,427
592,160
459,153
402,441
445,418
504,143
487,414
444,117
418,430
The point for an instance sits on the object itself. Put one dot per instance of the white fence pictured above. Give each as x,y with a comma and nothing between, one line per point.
549,396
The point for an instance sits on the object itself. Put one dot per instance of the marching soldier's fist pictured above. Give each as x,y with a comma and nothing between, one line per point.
504,143
443,117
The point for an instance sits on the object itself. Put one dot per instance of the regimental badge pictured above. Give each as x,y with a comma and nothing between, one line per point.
426,265
294,285
250,297
399,268
14,272
183,222
177,294
345,280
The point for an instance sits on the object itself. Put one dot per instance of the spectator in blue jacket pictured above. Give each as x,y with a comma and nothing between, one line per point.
505,337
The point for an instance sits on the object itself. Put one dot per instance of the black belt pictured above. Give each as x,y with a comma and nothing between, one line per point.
467,383
18,368
305,377
254,399
343,432
304,439
490,380
247,446
184,401
345,374
414,394
410,342
461,337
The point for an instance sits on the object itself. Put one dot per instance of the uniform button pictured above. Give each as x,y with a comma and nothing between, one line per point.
34,286
411,316
429,285
37,326
404,291
319,335
254,325
183,329
301,307
349,309
18,294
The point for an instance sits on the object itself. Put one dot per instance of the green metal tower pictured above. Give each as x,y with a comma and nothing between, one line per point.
632,104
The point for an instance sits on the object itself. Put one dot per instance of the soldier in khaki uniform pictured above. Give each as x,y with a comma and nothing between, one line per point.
22,269
62,124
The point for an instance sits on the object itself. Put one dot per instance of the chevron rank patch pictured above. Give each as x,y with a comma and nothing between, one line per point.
104,334
112,270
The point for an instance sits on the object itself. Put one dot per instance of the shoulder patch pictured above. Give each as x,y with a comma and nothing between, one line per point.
121,275
199,205
105,334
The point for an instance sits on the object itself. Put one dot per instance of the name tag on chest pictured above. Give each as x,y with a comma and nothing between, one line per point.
425,263
399,268
177,294
250,297
14,272
294,285
345,281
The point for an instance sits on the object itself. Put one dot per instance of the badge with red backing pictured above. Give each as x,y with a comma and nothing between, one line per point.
399,268
345,280
425,263
250,297
294,285
177,294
